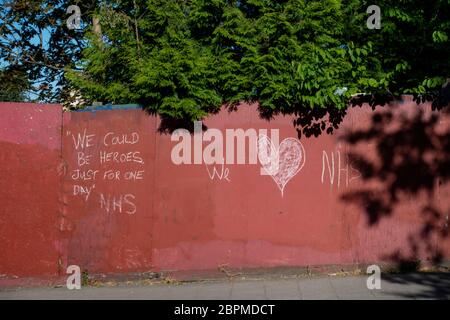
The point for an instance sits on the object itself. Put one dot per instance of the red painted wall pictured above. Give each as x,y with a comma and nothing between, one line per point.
30,141
109,230
141,212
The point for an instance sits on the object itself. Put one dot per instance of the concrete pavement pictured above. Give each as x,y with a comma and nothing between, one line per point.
393,286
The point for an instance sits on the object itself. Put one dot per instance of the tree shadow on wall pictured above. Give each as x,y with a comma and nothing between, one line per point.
308,122
411,161
168,125
314,122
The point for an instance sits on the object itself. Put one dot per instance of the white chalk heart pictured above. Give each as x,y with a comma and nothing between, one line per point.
281,164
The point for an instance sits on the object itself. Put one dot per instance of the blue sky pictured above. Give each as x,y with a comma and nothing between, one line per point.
32,95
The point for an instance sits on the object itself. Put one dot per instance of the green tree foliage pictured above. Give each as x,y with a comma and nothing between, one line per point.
35,39
184,59
14,84
412,47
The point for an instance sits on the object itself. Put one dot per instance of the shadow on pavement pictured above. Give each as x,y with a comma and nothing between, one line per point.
418,285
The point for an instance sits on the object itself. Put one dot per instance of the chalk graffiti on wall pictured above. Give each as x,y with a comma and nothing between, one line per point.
281,163
336,169
94,155
222,175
